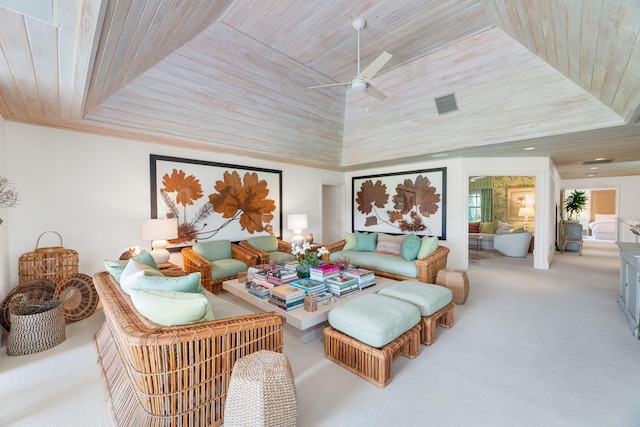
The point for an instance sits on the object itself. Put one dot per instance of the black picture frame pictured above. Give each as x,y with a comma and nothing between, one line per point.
401,203
182,188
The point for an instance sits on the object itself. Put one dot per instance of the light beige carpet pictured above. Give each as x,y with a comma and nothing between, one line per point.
529,348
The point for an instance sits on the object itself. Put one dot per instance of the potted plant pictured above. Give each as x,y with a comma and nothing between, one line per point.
575,203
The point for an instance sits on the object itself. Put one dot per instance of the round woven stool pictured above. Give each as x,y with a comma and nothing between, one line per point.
261,392
457,281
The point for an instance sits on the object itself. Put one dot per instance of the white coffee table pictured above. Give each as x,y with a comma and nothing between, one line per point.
306,325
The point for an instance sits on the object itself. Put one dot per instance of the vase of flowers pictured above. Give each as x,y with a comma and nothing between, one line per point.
306,257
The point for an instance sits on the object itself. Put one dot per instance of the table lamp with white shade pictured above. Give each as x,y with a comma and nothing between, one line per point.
297,223
159,231
526,213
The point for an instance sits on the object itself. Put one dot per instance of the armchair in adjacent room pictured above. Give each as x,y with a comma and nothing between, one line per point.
513,244
217,260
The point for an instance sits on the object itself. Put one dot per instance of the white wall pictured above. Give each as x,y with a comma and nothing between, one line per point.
94,191
4,214
628,199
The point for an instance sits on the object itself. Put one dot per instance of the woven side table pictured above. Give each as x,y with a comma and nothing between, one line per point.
457,281
261,392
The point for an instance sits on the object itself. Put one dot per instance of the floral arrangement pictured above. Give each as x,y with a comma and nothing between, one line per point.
304,254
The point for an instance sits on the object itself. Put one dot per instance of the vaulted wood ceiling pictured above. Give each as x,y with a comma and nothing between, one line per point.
232,76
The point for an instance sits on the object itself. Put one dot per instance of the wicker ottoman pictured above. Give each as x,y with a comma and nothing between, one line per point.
261,392
434,302
369,332
457,281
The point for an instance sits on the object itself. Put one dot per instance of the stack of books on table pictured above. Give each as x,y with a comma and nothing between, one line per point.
322,272
342,286
281,276
287,297
313,287
258,273
259,291
364,277
310,286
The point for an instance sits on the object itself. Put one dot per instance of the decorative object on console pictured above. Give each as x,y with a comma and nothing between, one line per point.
159,231
526,213
297,223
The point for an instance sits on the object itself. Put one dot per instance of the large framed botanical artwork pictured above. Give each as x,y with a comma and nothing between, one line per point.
214,201
401,203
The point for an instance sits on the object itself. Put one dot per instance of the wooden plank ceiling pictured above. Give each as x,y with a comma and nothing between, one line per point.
232,76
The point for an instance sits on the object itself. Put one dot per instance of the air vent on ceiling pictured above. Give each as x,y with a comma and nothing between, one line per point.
597,162
446,104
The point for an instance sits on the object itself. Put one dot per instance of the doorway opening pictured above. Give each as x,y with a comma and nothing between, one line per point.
599,218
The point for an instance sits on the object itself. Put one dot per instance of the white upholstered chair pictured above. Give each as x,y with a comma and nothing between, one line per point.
513,244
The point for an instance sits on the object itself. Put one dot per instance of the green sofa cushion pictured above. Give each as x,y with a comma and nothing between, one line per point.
488,227
134,272
281,257
374,319
214,250
366,241
264,243
383,262
224,268
428,298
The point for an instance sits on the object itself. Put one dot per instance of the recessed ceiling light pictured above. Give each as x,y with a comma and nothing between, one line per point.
594,168
529,148
599,158
591,174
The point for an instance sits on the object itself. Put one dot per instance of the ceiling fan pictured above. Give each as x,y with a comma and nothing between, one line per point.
360,83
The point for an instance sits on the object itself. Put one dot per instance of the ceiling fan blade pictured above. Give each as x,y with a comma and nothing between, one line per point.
375,93
330,85
375,66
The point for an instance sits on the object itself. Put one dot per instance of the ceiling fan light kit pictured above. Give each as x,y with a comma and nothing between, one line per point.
360,83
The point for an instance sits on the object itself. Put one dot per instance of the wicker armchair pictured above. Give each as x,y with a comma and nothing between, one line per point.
428,266
264,257
194,262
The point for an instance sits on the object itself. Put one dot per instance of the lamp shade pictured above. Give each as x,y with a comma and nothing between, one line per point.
159,229
526,212
297,222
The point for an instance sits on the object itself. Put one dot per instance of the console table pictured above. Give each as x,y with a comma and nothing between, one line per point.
306,325
629,298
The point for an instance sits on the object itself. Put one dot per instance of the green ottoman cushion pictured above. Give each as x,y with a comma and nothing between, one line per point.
374,319
428,298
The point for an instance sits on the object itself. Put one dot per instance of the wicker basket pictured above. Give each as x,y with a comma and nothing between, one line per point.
53,264
36,327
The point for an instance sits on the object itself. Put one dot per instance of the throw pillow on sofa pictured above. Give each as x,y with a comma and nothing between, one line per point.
489,227
133,272
350,241
388,244
428,245
518,230
474,227
503,228
189,283
410,247
171,308
115,267
366,242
